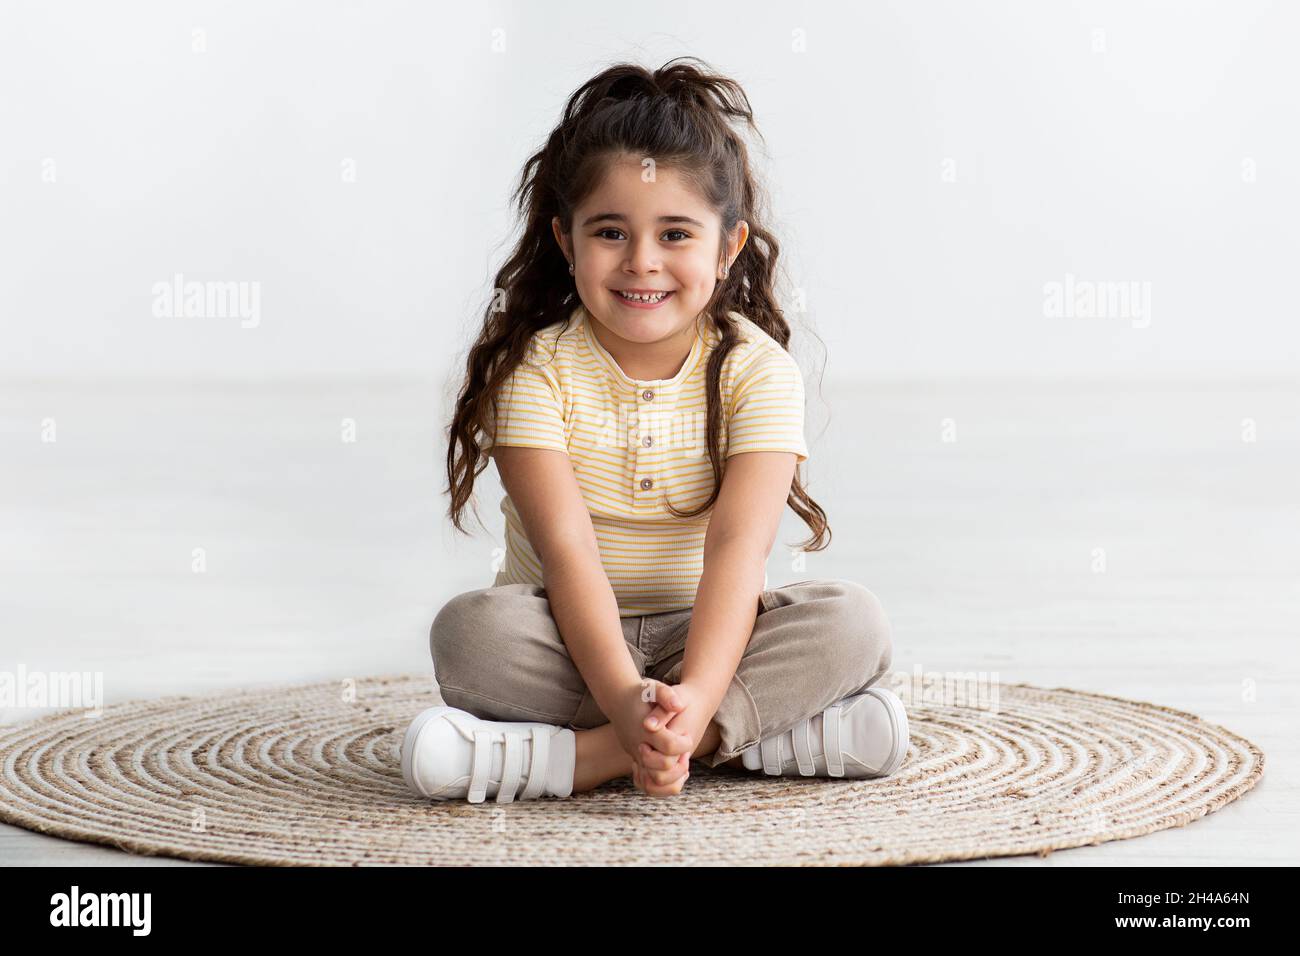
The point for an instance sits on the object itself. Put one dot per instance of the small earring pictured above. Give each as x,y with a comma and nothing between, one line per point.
725,270
570,268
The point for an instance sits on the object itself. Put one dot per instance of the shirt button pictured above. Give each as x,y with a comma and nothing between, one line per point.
648,394
647,484
648,440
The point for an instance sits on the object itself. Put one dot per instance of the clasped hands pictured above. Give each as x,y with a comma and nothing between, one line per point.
660,727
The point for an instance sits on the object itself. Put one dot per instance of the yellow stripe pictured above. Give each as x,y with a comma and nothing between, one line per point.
566,396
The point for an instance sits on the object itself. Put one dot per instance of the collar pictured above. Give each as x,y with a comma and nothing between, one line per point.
583,317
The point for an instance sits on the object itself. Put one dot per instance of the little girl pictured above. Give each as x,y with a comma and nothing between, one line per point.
633,385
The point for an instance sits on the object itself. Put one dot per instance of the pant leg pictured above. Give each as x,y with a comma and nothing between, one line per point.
497,653
814,643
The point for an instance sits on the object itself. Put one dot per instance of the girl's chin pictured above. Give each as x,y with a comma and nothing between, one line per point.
643,331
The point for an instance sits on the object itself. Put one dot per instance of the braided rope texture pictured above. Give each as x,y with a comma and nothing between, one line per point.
311,776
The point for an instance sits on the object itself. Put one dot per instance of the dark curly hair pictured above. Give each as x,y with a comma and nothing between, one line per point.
682,115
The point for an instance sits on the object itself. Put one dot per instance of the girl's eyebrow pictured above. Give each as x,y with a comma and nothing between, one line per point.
622,218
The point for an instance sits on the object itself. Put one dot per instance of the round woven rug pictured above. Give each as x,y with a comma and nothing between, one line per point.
310,775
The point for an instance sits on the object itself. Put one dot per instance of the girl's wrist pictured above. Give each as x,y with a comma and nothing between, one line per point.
624,689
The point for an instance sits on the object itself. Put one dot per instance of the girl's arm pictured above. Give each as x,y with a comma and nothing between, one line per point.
741,531
541,483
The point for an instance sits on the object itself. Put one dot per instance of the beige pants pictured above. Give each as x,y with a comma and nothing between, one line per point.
498,654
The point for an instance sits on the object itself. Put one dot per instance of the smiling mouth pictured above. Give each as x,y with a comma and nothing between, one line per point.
642,298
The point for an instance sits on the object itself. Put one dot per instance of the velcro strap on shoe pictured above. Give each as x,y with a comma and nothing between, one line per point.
801,737
831,741
770,748
511,768
537,768
481,768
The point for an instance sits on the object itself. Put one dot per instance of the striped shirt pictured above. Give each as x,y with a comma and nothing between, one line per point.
633,443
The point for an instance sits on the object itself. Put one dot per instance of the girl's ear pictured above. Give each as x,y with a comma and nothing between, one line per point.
739,236
561,238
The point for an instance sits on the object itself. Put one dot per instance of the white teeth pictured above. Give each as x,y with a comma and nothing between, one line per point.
644,298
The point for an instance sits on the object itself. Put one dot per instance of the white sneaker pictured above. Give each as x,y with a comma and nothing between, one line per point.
449,754
861,736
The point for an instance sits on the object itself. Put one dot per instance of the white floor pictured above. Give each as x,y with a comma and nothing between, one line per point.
327,558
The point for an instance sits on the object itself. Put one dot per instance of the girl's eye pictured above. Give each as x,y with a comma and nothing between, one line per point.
684,235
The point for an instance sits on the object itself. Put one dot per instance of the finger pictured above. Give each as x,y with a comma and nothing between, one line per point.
672,699
667,790
658,775
657,763
658,717
668,740
668,702
662,778
652,759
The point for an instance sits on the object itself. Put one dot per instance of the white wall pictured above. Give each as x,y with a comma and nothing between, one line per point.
934,166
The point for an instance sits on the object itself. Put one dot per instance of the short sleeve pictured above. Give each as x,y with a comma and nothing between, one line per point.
530,409
767,405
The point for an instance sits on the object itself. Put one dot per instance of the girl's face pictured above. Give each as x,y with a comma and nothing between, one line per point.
648,237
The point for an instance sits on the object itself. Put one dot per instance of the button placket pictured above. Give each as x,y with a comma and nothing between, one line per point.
645,480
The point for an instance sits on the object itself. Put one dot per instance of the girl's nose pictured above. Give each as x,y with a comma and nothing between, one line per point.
642,256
